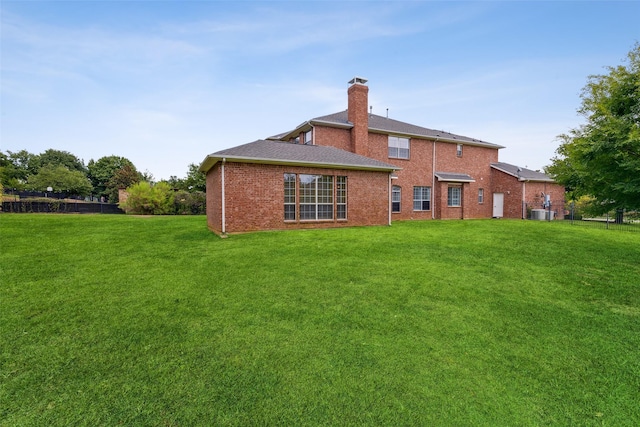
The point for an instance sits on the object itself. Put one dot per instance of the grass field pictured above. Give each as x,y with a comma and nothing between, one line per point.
122,320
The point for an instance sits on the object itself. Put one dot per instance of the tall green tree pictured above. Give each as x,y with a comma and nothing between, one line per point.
17,166
602,157
61,179
196,180
101,173
122,178
61,158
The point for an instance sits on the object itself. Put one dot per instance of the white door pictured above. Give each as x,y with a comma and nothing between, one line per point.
498,205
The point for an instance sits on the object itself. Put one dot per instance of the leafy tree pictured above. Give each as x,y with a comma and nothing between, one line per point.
196,180
601,159
102,171
16,167
146,199
61,179
61,158
122,178
175,182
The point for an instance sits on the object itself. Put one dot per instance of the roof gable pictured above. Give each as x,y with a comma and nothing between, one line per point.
386,125
523,174
286,153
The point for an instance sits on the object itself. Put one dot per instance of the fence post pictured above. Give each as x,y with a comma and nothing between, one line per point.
607,220
573,205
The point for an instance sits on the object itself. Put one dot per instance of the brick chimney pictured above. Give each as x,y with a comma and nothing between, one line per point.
358,93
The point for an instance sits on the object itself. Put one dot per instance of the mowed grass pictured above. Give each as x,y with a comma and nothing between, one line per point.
123,320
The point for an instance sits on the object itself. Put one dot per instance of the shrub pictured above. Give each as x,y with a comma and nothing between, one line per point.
145,199
190,203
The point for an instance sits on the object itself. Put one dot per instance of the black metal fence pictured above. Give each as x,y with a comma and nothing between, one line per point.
59,206
620,220
23,194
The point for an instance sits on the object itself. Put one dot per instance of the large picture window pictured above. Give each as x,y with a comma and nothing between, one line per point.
454,196
421,198
314,197
398,147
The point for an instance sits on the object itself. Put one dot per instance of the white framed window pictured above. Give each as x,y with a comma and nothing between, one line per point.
316,197
308,137
312,197
396,195
398,147
454,196
421,198
289,196
459,150
341,197
480,195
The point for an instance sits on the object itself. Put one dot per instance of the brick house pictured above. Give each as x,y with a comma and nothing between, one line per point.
350,168
519,190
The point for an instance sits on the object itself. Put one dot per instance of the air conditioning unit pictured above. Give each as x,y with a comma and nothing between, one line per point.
539,214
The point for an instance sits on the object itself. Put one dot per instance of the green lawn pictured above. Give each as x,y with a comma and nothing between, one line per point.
122,320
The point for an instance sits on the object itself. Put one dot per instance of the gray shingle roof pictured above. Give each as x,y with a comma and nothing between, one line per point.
454,177
387,125
286,153
523,174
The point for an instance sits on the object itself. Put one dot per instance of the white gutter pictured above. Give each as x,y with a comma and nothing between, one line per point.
433,181
224,220
390,208
524,188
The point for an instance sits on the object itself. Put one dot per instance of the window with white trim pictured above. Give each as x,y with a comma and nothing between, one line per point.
396,193
459,150
289,197
341,197
308,137
480,195
314,198
454,196
421,198
398,147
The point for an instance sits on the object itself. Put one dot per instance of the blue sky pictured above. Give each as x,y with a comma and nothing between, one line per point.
165,83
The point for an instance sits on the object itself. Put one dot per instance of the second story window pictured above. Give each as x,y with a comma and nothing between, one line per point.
459,150
308,137
398,147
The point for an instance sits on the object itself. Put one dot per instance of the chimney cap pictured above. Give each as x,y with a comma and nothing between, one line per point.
358,80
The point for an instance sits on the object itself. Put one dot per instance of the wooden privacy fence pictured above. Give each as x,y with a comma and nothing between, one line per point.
59,206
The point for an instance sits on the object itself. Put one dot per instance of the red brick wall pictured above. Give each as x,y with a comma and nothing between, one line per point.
513,198
511,188
332,137
418,171
254,198
535,200
214,214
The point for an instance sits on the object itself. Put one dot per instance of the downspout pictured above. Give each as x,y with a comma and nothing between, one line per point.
433,181
224,221
524,201
390,198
